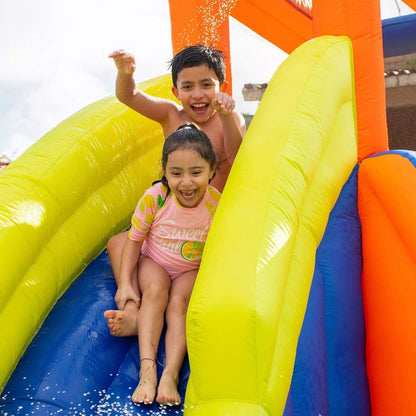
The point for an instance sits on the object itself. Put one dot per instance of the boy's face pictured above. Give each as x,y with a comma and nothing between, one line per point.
196,87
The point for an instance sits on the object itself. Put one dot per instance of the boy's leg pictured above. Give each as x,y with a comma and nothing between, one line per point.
155,284
121,323
175,342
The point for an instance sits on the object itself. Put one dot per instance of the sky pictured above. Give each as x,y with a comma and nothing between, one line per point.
55,58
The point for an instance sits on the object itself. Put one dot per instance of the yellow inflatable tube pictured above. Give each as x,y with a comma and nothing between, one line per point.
61,201
249,300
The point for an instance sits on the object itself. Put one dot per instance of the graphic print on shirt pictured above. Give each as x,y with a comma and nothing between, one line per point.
187,241
192,250
147,207
171,229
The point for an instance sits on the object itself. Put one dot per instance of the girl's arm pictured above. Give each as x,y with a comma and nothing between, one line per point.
129,258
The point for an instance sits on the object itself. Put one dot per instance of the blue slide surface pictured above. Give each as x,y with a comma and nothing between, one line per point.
79,367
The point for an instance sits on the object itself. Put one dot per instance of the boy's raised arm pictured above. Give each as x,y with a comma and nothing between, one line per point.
126,91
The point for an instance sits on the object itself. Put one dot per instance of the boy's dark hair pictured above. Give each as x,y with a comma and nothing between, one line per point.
197,55
188,136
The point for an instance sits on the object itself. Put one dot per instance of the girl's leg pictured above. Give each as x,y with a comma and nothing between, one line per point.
115,248
121,323
155,284
175,341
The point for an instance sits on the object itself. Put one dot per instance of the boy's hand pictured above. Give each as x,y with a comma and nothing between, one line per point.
223,103
124,294
124,61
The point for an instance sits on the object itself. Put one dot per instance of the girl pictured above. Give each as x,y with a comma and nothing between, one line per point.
161,258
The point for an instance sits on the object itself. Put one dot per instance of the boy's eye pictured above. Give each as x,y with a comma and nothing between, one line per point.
196,172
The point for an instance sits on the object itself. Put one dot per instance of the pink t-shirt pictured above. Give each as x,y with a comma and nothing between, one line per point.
173,236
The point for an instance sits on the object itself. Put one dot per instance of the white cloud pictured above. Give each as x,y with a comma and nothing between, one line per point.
54,55
57,58
253,60
392,8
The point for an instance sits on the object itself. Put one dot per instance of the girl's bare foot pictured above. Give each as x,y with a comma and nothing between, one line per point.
122,323
167,392
146,389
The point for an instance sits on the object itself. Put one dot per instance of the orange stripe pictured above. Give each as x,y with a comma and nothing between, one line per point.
202,21
275,20
360,21
387,203
285,26
410,3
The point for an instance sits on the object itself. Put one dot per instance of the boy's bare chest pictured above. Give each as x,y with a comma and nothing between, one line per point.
214,132
212,128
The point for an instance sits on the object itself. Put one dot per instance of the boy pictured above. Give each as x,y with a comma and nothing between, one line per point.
198,75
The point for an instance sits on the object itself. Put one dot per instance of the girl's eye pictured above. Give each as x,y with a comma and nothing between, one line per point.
197,172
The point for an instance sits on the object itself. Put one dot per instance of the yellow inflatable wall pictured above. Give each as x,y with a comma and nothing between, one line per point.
249,300
61,201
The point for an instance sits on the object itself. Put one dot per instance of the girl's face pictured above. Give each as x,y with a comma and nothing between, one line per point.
196,88
188,175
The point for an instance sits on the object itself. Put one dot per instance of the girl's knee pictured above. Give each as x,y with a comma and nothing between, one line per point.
156,291
177,306
112,243
116,242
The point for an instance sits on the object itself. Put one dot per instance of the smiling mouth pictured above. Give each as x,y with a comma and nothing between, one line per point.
199,108
187,195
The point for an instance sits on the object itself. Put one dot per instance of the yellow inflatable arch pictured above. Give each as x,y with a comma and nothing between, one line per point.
259,258
61,201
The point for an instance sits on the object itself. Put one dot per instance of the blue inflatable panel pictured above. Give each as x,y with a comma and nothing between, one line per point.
329,376
399,35
309,389
74,366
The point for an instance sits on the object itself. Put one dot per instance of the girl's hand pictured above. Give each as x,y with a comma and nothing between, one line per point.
124,294
125,62
223,103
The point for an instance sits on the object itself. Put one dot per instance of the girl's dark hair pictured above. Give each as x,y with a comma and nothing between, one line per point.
197,55
188,136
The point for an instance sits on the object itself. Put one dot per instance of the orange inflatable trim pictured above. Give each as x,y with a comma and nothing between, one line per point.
410,3
196,21
386,210
277,21
361,22
389,231
287,26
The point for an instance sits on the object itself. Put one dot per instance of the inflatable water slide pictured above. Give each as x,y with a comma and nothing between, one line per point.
304,303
